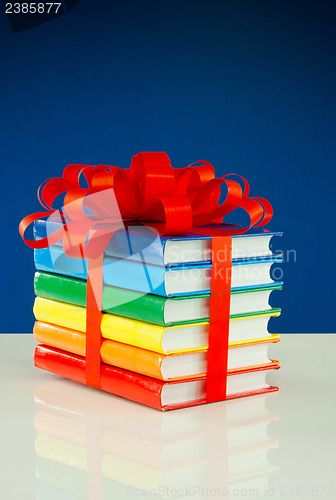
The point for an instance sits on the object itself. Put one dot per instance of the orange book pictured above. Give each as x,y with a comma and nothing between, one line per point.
150,363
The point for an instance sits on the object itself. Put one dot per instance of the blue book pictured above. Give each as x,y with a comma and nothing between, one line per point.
158,280
141,244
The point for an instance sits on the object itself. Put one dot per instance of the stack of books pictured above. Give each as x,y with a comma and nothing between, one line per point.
86,442
155,321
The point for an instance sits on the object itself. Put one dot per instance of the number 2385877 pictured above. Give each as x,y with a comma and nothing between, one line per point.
32,8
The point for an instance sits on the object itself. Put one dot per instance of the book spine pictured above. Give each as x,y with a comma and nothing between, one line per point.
58,313
122,383
132,358
60,288
119,301
136,333
133,275
54,260
148,247
61,338
122,273
40,229
152,252
143,307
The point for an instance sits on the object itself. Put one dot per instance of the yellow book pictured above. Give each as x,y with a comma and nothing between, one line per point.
161,339
150,363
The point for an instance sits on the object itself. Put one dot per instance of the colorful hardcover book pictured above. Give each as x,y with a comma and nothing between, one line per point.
149,391
165,340
148,278
140,243
153,364
148,307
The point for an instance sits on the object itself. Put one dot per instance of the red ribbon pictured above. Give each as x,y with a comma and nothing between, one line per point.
219,319
172,201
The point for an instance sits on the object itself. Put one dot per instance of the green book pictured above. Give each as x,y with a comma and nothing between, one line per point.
165,311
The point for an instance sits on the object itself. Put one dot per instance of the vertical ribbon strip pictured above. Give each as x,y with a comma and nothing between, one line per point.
94,297
219,318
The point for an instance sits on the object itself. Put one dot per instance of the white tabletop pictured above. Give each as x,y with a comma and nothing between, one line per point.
61,440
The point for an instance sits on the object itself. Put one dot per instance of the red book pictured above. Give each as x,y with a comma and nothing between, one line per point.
149,391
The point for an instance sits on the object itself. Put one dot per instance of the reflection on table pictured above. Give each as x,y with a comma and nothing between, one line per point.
91,445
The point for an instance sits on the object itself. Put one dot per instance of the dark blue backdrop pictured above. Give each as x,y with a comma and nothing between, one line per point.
248,86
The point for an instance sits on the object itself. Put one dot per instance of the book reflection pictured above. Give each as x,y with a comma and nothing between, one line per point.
91,445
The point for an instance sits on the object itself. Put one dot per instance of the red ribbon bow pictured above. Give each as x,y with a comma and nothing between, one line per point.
172,201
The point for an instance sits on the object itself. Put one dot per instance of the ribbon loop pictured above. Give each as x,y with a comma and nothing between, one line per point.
176,211
154,177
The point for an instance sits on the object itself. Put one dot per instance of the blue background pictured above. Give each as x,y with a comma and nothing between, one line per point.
246,85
